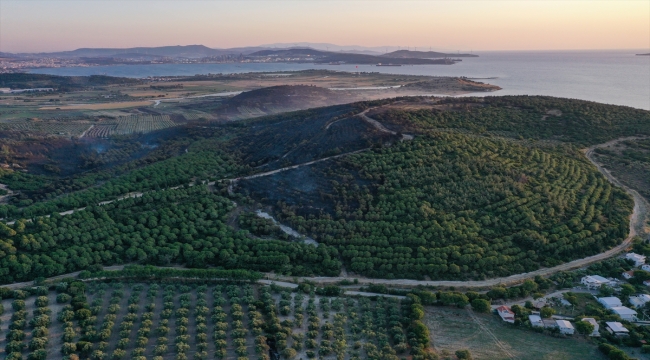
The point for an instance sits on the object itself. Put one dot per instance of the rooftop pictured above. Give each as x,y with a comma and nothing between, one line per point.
616,326
611,301
622,310
634,256
597,278
564,324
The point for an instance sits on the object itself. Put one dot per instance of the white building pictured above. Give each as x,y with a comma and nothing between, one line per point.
639,301
565,327
624,312
628,274
593,322
506,314
646,283
595,281
638,259
536,321
617,328
610,302
645,267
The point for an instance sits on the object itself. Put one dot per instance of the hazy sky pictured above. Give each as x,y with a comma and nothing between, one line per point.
36,25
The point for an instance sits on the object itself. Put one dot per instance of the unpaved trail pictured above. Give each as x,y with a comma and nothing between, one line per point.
487,330
641,206
267,173
84,133
379,126
21,285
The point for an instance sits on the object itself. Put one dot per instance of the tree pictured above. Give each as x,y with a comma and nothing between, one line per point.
584,327
497,293
68,348
605,291
41,301
529,305
480,305
546,312
463,354
627,290
289,353
417,312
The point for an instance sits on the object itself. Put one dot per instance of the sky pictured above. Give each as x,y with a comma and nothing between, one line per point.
479,25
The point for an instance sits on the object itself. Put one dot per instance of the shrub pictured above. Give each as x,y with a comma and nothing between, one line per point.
480,305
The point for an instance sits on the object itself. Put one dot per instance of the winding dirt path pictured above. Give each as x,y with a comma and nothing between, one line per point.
379,126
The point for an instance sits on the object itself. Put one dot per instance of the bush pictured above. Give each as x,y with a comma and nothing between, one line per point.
463,355
63,298
480,305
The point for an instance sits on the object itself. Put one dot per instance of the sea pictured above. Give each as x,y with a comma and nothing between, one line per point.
618,77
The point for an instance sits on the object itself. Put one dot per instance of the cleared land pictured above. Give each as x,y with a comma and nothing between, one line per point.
487,337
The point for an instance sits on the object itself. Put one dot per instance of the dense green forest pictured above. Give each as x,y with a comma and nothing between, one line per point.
488,187
162,227
527,117
455,206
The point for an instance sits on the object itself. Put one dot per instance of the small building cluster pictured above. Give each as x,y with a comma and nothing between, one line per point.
564,326
614,305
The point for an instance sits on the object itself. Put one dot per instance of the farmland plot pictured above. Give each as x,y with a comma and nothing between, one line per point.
189,321
134,124
52,128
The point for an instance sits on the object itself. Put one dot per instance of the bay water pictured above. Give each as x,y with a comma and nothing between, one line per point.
618,77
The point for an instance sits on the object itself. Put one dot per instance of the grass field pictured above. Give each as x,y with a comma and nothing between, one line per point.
487,337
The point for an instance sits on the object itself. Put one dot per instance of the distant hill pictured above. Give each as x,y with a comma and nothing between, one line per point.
648,54
352,49
329,56
408,54
276,99
187,51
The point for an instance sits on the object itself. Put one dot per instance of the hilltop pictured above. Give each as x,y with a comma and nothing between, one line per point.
409,54
319,56
276,99
406,187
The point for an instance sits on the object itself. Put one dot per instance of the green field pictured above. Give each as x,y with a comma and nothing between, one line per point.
487,337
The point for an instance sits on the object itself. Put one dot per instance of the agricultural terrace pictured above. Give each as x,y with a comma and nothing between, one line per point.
50,128
122,320
128,125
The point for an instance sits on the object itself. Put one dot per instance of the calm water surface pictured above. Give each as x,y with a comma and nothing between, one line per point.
611,77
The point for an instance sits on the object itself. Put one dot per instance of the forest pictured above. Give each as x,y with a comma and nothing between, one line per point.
453,206
487,187
165,227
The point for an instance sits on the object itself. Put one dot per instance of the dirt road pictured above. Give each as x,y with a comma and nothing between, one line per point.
379,126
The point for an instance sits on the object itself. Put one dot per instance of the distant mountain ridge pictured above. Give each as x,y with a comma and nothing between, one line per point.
409,54
178,51
337,57
199,51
